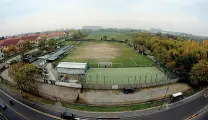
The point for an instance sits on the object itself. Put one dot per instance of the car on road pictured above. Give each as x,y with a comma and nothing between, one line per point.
70,116
67,116
2,106
176,97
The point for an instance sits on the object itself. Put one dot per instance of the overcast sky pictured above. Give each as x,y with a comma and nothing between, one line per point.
19,16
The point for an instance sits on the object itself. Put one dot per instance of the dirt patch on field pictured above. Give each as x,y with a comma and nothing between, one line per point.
97,51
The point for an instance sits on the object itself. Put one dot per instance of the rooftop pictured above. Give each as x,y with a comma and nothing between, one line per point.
176,94
72,65
30,38
9,42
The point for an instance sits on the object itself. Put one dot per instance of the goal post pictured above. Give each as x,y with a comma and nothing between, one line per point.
105,64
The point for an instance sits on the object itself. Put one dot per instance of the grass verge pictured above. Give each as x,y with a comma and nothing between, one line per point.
192,92
111,108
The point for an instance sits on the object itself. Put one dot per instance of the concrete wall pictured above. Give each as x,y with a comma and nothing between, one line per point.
71,71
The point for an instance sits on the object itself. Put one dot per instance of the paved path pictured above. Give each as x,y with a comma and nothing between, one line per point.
5,75
52,74
99,97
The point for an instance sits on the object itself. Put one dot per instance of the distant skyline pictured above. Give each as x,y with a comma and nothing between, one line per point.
20,16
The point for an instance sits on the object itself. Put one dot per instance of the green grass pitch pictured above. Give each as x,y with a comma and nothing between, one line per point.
119,76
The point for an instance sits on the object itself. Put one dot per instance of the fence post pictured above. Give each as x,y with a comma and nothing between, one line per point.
104,78
91,79
151,78
97,80
122,79
156,78
145,78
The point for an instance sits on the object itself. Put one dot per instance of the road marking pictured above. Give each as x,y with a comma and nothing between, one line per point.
15,110
52,116
205,95
133,61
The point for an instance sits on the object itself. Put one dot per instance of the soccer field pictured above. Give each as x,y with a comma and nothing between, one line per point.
121,76
119,54
97,35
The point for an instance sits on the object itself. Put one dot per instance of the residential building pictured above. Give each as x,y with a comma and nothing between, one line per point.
91,27
54,35
17,42
34,39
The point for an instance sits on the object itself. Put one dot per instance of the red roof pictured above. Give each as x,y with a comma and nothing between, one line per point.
30,38
13,37
10,42
54,34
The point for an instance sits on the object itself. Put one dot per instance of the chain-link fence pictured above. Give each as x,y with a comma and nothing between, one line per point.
122,86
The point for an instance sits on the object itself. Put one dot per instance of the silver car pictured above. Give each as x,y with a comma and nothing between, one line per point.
2,106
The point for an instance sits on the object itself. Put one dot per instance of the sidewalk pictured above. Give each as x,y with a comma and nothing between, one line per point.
57,108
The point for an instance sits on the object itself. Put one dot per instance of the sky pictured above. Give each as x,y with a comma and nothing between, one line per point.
20,16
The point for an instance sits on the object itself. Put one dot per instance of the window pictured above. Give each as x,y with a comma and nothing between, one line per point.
2,56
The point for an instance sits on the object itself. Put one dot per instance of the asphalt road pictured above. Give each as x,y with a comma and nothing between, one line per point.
203,116
26,111
21,112
179,113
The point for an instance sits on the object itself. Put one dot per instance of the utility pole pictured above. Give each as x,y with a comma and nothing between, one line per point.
165,94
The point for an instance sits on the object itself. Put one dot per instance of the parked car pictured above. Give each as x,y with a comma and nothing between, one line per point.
67,116
129,90
176,97
2,106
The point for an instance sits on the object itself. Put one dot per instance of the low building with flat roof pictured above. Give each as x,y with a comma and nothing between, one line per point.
71,70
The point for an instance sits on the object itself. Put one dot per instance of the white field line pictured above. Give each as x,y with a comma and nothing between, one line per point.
133,61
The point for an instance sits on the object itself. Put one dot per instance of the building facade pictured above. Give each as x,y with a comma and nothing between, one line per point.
1,54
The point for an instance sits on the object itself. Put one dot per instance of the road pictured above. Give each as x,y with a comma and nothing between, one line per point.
179,113
18,111
26,111
203,116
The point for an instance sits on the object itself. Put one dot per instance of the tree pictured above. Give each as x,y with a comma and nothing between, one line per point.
10,50
26,47
25,76
42,44
198,74
76,34
113,38
2,38
104,37
135,43
126,41
51,43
